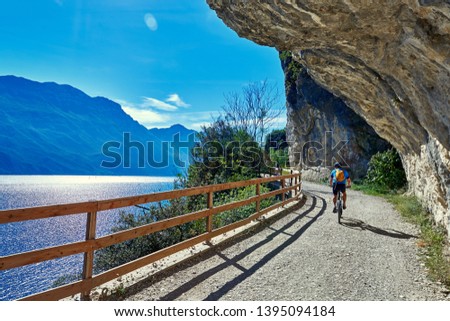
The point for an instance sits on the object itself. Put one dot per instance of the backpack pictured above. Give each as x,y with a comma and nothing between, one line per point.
340,175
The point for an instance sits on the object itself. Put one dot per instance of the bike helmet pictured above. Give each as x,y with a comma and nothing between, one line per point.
337,165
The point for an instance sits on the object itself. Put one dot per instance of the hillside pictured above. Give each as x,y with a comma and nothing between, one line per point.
46,128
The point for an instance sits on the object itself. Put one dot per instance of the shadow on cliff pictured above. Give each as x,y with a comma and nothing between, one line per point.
362,226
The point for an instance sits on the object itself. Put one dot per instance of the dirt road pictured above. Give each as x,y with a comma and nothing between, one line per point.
307,255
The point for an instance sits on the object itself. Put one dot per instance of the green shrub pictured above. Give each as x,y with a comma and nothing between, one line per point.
240,213
285,54
294,68
124,252
66,279
127,251
386,171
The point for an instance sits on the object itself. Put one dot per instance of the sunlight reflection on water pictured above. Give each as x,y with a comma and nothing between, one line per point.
29,191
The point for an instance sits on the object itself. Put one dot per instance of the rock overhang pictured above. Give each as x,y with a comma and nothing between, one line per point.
389,60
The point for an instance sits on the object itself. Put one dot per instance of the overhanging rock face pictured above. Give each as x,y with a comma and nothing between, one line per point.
389,60
322,129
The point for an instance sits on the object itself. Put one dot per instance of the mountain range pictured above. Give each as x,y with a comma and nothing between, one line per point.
47,128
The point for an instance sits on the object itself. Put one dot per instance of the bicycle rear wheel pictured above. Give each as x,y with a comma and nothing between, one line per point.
339,214
339,208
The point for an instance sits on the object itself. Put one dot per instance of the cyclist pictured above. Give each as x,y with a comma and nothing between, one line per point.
338,180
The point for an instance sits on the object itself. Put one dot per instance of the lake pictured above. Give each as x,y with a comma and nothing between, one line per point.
30,191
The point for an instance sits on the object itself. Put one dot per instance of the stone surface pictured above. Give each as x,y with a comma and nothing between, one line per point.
322,129
389,60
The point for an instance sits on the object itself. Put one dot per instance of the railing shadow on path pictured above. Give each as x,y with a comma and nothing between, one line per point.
362,226
217,251
249,272
234,261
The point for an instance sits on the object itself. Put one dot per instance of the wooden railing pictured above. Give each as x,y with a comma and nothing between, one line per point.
93,243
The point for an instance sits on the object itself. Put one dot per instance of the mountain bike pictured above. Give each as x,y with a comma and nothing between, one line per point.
340,204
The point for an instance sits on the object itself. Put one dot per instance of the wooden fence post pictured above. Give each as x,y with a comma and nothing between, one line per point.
258,193
88,264
283,185
209,219
296,182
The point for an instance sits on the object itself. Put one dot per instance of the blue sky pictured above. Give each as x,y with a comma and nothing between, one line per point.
164,61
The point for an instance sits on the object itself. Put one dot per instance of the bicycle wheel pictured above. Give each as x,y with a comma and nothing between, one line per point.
339,208
339,213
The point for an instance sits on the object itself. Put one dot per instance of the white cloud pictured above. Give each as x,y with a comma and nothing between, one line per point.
147,118
174,98
195,120
153,113
279,122
198,126
151,22
158,104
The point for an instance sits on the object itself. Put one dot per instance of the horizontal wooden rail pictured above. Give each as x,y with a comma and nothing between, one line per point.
92,243
36,256
74,288
33,213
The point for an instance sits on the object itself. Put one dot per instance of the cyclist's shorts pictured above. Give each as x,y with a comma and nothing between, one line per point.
338,187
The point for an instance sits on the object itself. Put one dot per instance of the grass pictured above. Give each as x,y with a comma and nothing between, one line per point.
374,190
286,171
433,239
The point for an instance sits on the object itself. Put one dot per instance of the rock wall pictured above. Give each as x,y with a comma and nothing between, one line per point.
389,60
322,129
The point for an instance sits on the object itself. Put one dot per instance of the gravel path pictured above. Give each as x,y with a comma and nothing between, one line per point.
306,255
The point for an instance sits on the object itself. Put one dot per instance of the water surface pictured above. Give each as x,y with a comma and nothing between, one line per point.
31,191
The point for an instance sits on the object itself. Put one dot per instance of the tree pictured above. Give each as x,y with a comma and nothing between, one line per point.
386,170
276,140
276,148
223,154
254,110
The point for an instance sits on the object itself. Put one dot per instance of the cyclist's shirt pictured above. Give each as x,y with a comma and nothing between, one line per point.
333,176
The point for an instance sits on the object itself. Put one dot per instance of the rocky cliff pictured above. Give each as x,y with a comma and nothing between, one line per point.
389,60
322,129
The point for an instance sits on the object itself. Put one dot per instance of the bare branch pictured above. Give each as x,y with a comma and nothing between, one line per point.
255,110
